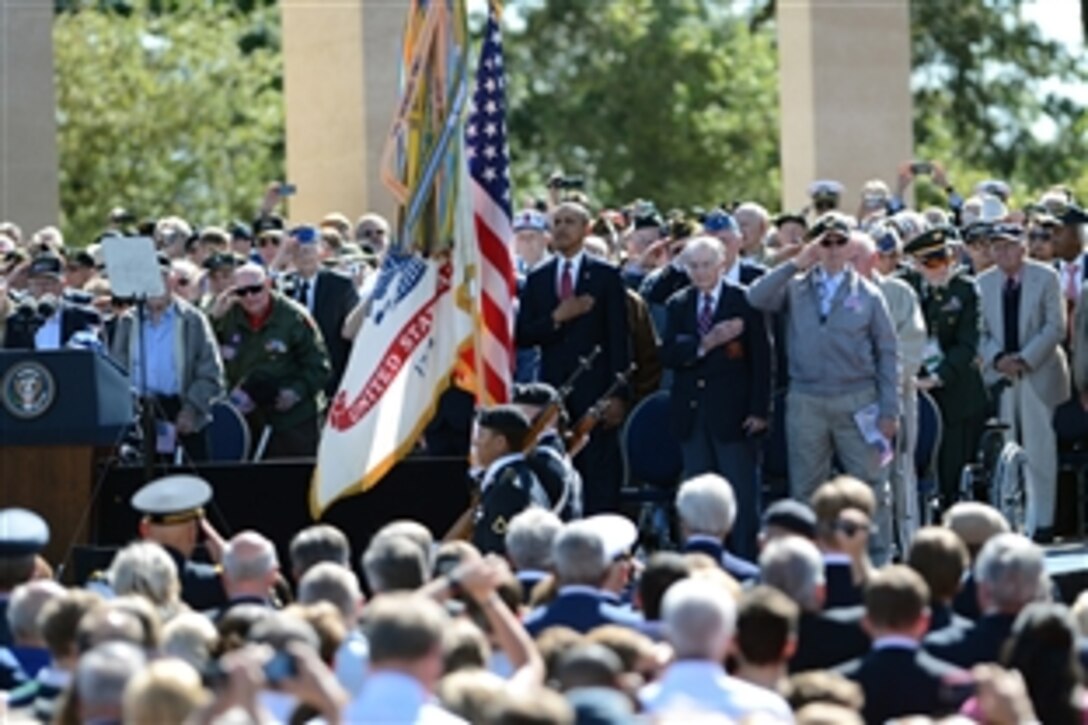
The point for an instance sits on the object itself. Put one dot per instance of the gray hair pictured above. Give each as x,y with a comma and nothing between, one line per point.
699,617
103,672
530,538
793,565
249,557
333,583
145,569
404,627
702,243
579,554
318,543
706,505
26,603
393,563
190,637
751,207
413,531
1011,569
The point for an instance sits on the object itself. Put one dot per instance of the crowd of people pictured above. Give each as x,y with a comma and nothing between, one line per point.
797,343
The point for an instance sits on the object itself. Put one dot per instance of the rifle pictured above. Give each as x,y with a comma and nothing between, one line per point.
579,435
461,530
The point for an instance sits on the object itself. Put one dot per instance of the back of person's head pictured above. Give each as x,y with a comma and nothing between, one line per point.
146,614
316,544
824,686
663,569
59,621
766,626
1080,614
530,537
794,566
975,523
281,628
1010,573
334,583
452,554
235,624
108,623
588,665
635,650
24,606
143,568
940,557
470,694
700,618
326,623
706,506
552,643
531,706
837,495
897,600
190,637
166,691
15,570
250,558
101,676
464,646
826,713
394,563
1043,648
415,532
579,555
404,627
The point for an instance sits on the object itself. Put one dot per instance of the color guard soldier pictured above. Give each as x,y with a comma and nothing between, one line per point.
173,517
950,306
509,485
23,534
548,457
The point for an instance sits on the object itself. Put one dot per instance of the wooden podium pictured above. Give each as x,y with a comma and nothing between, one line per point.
59,411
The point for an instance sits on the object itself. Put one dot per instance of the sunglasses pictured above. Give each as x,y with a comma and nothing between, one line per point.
368,233
1040,236
852,528
835,241
934,262
266,241
183,281
253,289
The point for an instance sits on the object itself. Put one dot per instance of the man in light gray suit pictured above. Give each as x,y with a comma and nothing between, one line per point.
1023,324
843,364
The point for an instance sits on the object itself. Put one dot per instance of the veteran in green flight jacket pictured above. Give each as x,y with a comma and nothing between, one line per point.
275,361
950,371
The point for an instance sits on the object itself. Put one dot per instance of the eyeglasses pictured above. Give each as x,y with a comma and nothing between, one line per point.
934,262
1040,235
852,528
835,241
368,233
266,241
253,289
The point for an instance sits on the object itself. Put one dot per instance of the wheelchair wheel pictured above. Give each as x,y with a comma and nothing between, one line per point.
1008,487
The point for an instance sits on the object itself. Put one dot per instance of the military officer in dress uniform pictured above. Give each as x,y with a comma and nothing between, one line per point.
548,457
173,517
509,485
23,534
950,306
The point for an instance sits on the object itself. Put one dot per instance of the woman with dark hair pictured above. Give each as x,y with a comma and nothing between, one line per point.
1043,649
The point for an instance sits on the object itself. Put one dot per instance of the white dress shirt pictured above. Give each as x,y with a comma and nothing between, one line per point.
392,697
694,686
575,267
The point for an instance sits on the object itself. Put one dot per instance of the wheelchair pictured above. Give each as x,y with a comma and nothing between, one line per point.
999,477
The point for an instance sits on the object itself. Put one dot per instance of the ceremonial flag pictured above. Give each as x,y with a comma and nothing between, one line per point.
420,320
489,166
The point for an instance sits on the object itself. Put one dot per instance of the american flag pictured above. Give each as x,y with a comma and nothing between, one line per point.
489,168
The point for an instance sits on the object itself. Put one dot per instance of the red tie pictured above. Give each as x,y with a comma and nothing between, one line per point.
566,282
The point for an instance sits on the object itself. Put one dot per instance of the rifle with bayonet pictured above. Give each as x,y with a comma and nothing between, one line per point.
579,434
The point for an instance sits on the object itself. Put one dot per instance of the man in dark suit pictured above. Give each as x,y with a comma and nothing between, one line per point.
569,305
45,319
509,485
1010,574
327,295
707,509
717,346
548,456
582,566
825,639
897,676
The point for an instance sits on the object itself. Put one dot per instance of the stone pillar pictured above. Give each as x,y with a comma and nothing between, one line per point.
28,127
844,87
341,64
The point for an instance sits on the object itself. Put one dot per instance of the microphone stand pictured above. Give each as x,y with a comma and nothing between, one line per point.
147,413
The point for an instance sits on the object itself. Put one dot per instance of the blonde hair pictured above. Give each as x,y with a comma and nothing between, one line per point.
167,690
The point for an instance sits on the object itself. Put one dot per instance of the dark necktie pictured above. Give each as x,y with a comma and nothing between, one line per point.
1010,300
706,315
303,292
566,281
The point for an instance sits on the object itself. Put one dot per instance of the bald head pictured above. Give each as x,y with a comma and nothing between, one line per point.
975,523
250,565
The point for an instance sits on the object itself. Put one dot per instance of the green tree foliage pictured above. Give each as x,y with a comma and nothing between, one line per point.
166,111
672,99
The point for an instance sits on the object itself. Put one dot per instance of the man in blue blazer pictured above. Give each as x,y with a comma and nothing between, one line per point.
720,353
569,305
